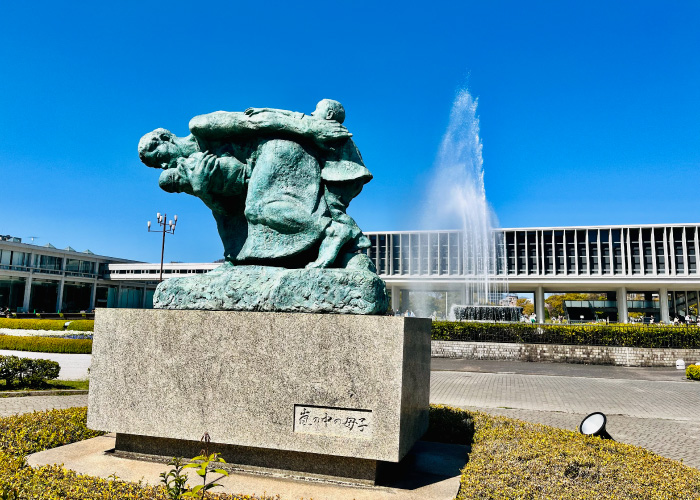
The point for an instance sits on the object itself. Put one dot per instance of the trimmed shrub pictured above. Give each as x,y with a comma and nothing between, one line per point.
21,435
514,459
597,334
82,325
26,371
692,372
33,324
46,344
449,425
508,459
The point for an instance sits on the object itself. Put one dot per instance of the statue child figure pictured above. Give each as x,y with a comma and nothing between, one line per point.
343,172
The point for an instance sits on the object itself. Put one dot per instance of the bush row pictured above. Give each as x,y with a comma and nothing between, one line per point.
514,459
508,459
692,372
81,325
33,432
606,335
27,372
46,344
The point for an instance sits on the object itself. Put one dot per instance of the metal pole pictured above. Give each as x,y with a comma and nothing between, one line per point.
162,250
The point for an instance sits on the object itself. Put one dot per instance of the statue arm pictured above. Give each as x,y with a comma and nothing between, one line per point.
223,125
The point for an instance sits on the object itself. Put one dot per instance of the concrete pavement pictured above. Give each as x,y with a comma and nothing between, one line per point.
656,408
14,406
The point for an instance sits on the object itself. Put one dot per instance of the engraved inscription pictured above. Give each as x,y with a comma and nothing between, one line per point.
332,421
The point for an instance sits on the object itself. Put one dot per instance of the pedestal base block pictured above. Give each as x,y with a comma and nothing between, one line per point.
323,395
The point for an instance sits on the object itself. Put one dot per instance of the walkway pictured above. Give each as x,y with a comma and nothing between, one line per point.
656,408
28,404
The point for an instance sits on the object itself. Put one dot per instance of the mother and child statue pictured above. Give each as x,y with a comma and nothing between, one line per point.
278,184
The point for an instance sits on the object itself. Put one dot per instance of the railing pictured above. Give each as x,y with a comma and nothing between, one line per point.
47,271
25,269
81,275
651,336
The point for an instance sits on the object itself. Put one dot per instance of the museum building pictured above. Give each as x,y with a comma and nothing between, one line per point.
647,261
642,263
46,279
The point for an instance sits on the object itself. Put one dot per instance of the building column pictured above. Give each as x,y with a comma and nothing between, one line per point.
395,298
143,297
539,304
93,295
27,293
663,305
404,301
622,305
59,298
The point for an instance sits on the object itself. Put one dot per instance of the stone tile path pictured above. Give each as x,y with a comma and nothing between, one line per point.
14,406
655,409
661,413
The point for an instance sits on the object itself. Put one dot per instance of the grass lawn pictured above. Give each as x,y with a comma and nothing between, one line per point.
509,459
48,386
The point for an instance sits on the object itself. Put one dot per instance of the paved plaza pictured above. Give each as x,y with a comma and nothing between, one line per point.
656,408
28,404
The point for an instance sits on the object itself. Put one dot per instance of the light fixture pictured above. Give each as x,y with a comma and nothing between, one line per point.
594,425
168,228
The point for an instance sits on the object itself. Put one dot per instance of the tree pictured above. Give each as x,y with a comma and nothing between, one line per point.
528,307
555,303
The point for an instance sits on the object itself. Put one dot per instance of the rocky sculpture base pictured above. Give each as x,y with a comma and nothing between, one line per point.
312,395
276,289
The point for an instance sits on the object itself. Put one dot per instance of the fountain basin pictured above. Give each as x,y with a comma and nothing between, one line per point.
486,313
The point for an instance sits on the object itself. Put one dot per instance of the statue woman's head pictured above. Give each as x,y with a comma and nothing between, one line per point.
159,149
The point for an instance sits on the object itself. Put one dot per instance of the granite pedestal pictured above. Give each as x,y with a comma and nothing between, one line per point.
331,396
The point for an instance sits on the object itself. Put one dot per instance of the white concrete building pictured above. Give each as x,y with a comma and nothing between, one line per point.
651,260
37,278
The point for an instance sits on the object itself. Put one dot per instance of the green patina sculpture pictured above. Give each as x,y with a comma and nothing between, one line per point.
278,184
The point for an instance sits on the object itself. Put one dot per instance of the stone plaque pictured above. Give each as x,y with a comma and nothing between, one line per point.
325,421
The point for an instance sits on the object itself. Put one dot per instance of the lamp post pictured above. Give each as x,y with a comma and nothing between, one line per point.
169,228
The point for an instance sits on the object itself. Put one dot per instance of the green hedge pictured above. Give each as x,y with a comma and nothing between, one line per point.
692,372
596,334
512,459
21,435
32,324
46,344
81,325
507,459
26,371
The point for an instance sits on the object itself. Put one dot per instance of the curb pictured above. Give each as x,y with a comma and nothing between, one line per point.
59,392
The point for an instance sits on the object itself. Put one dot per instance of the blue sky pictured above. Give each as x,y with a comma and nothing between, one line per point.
589,112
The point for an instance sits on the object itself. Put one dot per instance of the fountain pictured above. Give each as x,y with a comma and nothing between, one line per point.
459,179
494,314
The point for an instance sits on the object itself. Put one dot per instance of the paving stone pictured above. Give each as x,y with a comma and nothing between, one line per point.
659,411
15,406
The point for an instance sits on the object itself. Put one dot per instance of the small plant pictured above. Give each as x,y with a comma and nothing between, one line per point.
204,463
692,372
174,480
